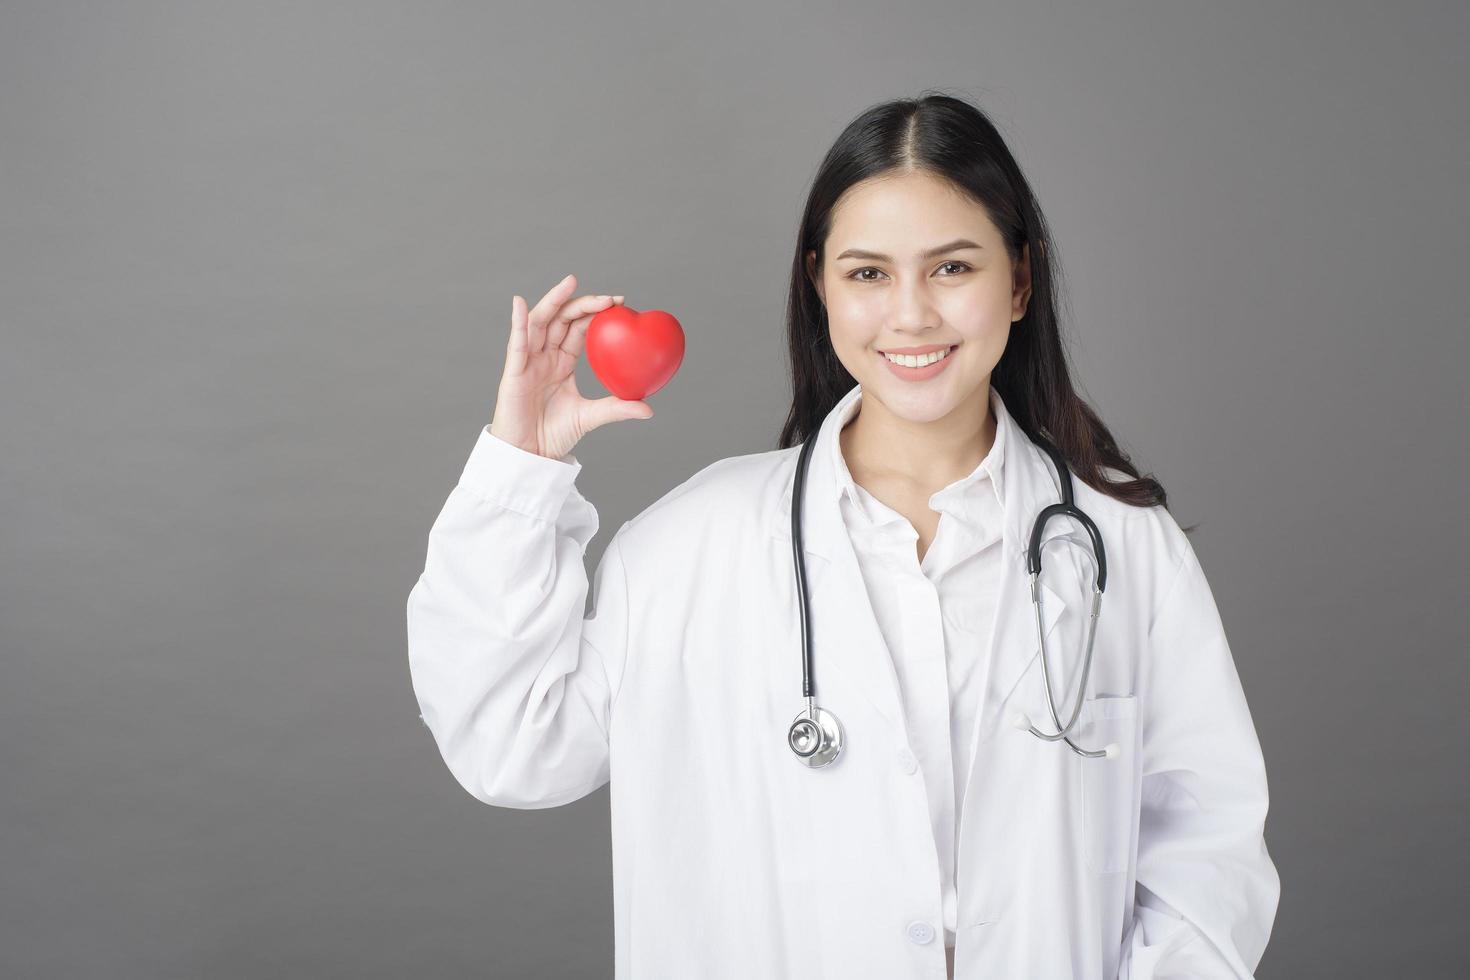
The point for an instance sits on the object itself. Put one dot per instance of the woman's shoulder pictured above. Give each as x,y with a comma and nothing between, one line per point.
1150,530
733,496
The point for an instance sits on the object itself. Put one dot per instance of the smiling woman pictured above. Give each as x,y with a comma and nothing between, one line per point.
938,432
922,325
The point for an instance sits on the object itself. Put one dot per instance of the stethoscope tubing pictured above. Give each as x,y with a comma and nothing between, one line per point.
816,735
1066,508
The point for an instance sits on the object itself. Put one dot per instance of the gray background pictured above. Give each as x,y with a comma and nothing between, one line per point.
256,277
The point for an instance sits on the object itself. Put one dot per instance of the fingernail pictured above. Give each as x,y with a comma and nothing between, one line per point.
618,298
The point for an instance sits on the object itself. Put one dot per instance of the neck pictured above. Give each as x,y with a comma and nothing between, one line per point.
881,447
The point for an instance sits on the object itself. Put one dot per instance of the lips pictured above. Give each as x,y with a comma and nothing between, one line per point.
916,373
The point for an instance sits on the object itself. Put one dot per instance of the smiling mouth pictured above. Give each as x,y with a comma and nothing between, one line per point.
918,360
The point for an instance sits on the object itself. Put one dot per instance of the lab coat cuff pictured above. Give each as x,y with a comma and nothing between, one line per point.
518,479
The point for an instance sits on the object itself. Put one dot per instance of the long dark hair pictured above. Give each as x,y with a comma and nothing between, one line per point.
953,139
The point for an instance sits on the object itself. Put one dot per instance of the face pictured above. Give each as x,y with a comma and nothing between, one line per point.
913,263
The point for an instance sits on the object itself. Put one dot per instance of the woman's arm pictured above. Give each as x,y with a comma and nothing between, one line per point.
1207,891
513,682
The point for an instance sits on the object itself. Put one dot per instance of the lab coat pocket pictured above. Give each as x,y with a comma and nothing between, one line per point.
1108,798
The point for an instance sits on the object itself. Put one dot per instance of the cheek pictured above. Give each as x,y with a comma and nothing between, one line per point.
853,321
982,318
854,306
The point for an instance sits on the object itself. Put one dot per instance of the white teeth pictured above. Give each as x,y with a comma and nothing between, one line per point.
918,360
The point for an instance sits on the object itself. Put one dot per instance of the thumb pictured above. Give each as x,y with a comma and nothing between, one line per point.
615,409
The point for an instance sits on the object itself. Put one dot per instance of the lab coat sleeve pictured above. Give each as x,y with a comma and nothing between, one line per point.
513,682
1207,891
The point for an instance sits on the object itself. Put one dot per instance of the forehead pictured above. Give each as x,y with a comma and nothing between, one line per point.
907,211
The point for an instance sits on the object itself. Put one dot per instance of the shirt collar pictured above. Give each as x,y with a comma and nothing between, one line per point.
964,498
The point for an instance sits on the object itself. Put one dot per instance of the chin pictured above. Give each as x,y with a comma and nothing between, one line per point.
915,403
918,402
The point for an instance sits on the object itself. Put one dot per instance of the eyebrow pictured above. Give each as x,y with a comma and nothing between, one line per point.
954,246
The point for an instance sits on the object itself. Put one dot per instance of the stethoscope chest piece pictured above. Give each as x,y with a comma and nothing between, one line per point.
816,737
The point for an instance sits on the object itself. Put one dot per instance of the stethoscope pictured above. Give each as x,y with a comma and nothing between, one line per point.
817,736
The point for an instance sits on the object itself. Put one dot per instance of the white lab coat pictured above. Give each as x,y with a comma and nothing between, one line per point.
733,860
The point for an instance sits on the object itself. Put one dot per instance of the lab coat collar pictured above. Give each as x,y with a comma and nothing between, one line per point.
845,632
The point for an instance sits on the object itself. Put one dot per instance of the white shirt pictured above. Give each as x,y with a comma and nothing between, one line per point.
936,618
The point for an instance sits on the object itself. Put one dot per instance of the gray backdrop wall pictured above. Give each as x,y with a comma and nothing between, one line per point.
256,277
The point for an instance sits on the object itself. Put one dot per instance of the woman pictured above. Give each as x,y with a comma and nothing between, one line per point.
945,838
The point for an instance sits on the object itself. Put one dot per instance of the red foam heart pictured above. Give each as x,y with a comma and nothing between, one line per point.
634,354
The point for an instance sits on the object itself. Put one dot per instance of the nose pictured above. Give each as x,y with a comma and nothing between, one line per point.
913,310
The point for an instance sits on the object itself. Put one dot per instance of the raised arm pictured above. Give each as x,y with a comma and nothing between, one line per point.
512,678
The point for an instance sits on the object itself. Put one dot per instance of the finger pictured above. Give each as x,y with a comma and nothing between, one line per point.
582,305
515,348
576,338
543,311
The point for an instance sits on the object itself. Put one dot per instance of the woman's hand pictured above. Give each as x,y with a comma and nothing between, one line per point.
538,407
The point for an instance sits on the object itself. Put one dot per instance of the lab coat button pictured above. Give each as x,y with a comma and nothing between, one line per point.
920,932
907,762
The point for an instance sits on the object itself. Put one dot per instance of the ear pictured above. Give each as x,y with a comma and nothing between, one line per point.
811,273
1021,284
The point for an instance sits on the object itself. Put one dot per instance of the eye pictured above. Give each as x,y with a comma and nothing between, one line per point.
857,274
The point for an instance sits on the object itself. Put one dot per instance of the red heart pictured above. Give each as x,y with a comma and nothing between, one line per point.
634,354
